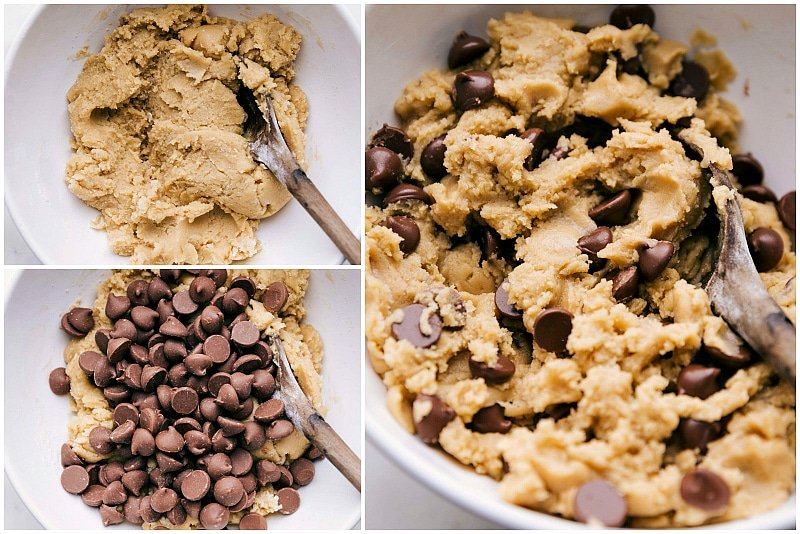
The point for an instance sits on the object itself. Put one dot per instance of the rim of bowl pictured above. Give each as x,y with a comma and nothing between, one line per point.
13,210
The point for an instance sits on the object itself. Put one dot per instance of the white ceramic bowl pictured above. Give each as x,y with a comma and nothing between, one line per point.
34,345
41,67
760,40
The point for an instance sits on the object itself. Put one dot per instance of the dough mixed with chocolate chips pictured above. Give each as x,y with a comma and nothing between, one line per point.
537,241
158,146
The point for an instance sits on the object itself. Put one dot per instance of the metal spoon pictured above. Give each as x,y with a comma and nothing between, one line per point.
311,423
737,292
269,148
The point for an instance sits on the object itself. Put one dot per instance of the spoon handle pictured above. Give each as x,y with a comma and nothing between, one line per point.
304,190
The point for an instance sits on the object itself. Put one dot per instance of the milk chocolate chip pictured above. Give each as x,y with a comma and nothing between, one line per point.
600,501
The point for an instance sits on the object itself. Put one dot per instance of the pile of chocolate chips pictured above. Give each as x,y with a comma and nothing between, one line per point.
183,372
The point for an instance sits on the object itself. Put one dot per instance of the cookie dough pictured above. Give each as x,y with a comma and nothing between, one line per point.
158,146
498,260
303,348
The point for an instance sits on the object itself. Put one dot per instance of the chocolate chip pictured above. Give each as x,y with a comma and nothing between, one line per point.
183,304
692,82
747,169
654,259
81,319
302,471
110,516
786,210
551,329
230,427
472,88
152,377
279,429
502,304
245,283
143,443
560,410
289,499
242,384
235,301
134,481
738,358
627,16
123,329
167,463
115,494
202,289
139,354
314,454
228,491
170,276
241,461
196,485
704,489
275,296
625,284
491,419
697,434
217,348
214,516
592,243
227,397
104,373
432,158
102,337
118,349
536,137
100,440
632,65
698,381
286,478
163,500
409,327
59,381
407,229
93,495
123,433
144,318
394,139
766,248
146,510
383,168
490,243
172,327
267,472
245,334
500,373
269,411
406,192
137,293
176,516
613,211
74,479
219,465
437,416
219,276
212,320
68,456
253,521
465,48
117,306
184,400
165,310
158,289
263,384
198,364
758,193
600,501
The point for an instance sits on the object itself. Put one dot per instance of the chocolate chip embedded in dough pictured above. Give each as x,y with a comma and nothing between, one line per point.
110,515
432,158
491,419
552,328
409,327
747,169
758,193
738,358
537,138
137,293
431,423
698,381
600,501
117,306
625,284
592,243
614,210
471,88
202,289
560,410
627,16
214,516
406,192
490,243
705,489
505,308
653,260
766,248
465,48
289,499
500,373
697,434
163,500
787,211
279,429
394,139
59,381
253,521
407,229
74,479
384,168
692,82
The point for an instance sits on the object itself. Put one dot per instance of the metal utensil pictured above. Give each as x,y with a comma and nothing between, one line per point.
311,423
737,292
269,148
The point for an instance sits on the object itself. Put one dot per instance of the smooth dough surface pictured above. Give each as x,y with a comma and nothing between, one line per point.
158,146
623,357
303,349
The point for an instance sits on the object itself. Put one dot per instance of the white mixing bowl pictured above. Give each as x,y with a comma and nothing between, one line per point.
42,65
402,42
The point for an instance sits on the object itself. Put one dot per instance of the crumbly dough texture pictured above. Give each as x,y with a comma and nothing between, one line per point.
622,356
301,342
158,146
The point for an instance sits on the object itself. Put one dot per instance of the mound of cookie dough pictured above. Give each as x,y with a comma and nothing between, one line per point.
537,242
172,383
158,146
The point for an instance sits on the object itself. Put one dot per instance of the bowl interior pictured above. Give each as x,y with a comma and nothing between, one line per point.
33,309
42,67
760,40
